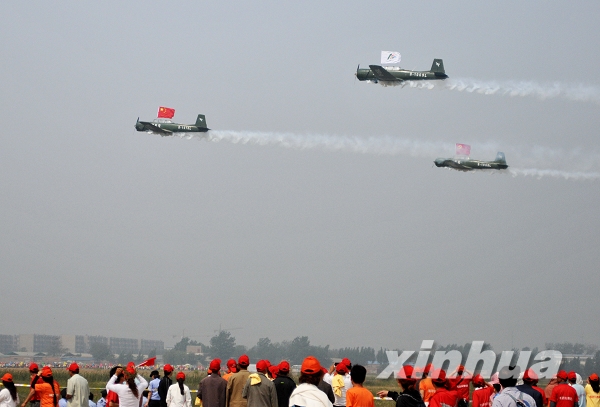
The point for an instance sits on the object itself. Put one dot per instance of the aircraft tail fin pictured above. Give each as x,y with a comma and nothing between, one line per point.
438,66
500,158
201,122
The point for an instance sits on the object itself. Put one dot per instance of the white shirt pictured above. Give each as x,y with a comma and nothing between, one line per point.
126,396
79,390
175,399
6,399
309,395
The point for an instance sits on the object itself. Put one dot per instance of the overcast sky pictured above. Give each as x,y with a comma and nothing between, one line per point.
107,231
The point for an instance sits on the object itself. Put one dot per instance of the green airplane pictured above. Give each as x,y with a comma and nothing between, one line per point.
168,128
466,164
378,73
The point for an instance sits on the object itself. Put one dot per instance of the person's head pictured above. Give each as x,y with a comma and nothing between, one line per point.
284,368
478,381
508,376
63,393
310,371
438,378
358,374
180,377
154,374
243,362
91,396
215,366
572,377
273,371
231,366
33,368
347,362
120,376
561,376
406,377
168,369
73,369
262,366
341,368
530,377
594,382
145,393
7,382
103,393
460,370
130,374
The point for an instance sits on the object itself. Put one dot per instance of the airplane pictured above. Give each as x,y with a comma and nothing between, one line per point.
378,73
466,164
168,128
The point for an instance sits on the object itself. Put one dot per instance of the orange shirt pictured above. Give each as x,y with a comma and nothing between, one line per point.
47,394
427,388
226,376
359,397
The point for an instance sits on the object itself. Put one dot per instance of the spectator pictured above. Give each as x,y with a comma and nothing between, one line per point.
154,398
426,387
78,389
130,392
259,390
326,387
460,383
145,394
357,395
592,391
91,400
8,395
231,369
563,395
442,396
284,385
510,396
165,383
481,393
213,388
236,383
33,398
63,398
179,394
410,396
572,377
339,385
550,386
102,400
112,398
49,389
307,394
529,378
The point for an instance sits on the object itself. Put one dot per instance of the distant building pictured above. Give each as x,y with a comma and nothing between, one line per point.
195,349
8,343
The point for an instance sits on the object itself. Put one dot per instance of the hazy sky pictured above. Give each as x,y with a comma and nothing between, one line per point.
107,231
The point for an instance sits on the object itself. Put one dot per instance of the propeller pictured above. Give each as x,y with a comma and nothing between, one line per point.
356,73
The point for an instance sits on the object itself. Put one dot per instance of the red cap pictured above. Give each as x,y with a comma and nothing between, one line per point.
34,368
180,375
7,377
572,375
46,371
284,366
231,363
262,366
478,380
244,361
274,370
346,362
168,368
324,370
406,373
594,377
530,375
428,368
341,368
215,365
267,362
310,365
73,367
460,368
438,376
562,375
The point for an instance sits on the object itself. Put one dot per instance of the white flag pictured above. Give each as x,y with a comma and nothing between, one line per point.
390,57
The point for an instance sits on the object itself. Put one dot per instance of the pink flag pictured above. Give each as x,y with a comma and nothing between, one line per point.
463,149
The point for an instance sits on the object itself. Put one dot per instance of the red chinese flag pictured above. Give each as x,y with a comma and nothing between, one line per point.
151,361
166,112
463,149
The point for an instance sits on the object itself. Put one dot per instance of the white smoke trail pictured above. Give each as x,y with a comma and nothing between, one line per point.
580,93
387,145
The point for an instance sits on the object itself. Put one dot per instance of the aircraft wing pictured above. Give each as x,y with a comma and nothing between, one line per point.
156,129
382,74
